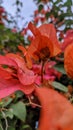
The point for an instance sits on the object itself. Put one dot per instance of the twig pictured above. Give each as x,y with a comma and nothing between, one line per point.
31,103
42,71
6,122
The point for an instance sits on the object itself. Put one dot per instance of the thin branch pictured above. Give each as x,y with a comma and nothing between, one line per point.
42,68
32,103
6,122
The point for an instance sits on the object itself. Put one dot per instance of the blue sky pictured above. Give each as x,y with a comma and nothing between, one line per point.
26,11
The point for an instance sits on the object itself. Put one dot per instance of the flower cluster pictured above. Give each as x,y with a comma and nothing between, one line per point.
32,72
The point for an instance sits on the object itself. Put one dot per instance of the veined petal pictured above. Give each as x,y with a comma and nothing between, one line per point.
26,78
5,74
40,47
50,31
8,87
18,59
27,89
68,60
7,61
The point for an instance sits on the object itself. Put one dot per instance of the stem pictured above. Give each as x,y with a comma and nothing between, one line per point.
32,103
6,122
42,72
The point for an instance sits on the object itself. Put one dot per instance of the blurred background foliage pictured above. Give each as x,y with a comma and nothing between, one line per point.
15,111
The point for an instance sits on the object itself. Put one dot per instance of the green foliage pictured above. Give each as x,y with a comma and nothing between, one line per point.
59,86
40,7
57,12
13,113
9,40
19,110
60,68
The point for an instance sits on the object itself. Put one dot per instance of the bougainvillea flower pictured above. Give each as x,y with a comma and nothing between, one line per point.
56,110
17,78
68,60
23,73
45,43
68,39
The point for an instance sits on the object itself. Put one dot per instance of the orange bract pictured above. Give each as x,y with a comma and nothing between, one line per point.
26,55
68,60
45,43
40,48
56,111
50,31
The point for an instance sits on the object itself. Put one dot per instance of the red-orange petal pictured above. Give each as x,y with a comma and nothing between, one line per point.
27,55
33,29
18,59
56,110
68,60
38,44
50,31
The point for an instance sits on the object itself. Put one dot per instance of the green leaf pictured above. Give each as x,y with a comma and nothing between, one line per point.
59,86
40,7
57,1
11,128
60,68
17,2
12,124
47,15
69,22
6,101
1,27
68,3
19,94
1,125
19,110
64,15
9,113
26,127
